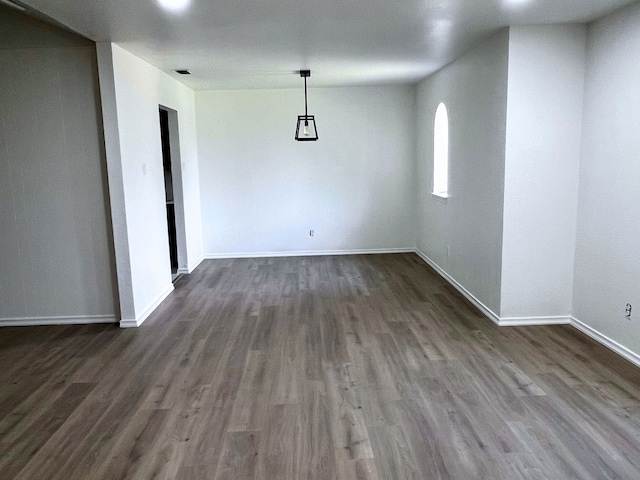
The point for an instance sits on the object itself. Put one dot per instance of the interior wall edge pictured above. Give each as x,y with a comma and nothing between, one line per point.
191,267
115,180
139,320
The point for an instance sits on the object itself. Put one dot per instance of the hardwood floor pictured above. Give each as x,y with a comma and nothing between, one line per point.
358,367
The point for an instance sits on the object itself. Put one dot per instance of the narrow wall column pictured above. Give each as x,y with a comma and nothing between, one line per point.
116,183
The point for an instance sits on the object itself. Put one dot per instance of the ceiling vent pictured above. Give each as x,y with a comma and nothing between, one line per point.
183,72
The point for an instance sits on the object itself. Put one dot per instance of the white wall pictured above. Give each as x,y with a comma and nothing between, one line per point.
262,191
56,256
607,265
139,89
474,88
544,122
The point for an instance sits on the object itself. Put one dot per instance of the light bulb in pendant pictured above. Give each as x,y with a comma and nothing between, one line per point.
305,131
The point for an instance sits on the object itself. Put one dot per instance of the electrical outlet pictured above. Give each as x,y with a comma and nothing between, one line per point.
628,311
448,250
311,233
144,168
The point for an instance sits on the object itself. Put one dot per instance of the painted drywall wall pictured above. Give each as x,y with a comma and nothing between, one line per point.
544,127
474,89
56,260
139,90
607,269
19,30
115,181
262,192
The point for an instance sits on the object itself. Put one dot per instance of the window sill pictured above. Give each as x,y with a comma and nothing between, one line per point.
442,198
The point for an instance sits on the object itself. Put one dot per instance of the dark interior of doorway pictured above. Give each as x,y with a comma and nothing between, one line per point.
168,189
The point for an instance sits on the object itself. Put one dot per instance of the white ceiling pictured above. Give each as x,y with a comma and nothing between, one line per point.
231,44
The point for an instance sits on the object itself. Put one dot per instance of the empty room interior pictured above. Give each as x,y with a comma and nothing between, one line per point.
320,240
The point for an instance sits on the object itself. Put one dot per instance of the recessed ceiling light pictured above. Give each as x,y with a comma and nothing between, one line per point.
174,5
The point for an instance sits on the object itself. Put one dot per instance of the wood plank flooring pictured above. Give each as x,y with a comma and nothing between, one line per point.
355,367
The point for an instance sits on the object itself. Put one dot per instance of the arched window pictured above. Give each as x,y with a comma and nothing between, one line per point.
441,152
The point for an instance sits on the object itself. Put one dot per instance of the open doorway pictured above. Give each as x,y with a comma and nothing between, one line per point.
173,190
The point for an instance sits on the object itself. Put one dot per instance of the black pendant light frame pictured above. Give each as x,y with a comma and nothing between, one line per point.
306,119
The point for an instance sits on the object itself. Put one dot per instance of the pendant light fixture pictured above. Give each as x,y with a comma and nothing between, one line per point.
306,122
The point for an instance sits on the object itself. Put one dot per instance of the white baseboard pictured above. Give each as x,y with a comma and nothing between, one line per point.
129,323
136,322
501,321
621,350
467,294
196,264
40,321
530,321
311,253
192,267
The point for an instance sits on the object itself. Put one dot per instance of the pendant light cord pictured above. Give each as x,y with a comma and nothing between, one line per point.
305,97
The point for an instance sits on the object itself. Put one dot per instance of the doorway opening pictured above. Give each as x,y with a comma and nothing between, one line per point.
173,191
